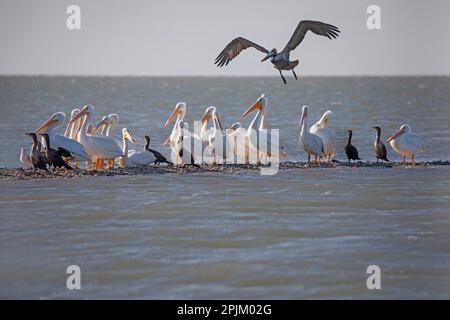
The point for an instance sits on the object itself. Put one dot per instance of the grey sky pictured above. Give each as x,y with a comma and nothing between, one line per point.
168,37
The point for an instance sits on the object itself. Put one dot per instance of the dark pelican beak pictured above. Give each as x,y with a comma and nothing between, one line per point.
269,55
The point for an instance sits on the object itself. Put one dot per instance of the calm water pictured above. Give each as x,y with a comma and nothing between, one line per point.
299,234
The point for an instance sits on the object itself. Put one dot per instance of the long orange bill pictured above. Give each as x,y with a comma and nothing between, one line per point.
256,105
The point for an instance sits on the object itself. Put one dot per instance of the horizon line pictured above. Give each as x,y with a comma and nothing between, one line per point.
220,76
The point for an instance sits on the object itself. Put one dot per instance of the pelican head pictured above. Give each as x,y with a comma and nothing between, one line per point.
259,104
55,121
113,118
235,126
323,122
209,112
180,110
403,129
74,112
270,54
105,121
127,135
85,111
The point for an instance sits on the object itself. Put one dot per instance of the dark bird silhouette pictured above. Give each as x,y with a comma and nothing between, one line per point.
350,150
53,156
280,60
159,158
38,159
379,147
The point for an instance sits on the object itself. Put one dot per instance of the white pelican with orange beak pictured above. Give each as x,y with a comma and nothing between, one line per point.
216,137
205,131
260,139
178,113
98,147
57,140
406,143
321,129
309,142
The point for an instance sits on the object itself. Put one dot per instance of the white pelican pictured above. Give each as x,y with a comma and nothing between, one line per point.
25,159
280,60
71,128
205,131
60,141
406,143
263,125
321,129
113,121
216,137
260,141
309,142
98,147
179,113
238,142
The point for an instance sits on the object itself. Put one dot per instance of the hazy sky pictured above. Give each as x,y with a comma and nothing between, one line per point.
168,37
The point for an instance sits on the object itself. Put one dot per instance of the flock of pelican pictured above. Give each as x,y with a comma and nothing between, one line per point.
94,143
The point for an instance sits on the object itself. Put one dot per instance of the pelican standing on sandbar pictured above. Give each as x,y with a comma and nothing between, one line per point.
321,129
309,142
261,140
178,113
98,147
280,60
406,143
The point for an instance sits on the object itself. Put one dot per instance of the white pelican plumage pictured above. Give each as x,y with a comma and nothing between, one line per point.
179,113
98,147
264,124
205,131
309,142
71,128
260,139
406,143
238,142
216,137
321,129
60,141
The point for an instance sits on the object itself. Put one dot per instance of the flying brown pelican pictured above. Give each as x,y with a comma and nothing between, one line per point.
280,60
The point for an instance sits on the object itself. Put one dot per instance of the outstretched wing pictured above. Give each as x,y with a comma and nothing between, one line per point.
320,28
234,48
